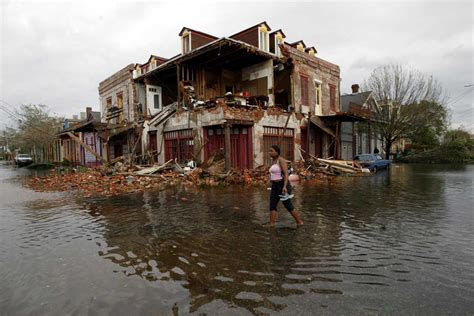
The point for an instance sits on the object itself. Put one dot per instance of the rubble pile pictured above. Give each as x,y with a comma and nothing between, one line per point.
115,180
120,177
312,167
90,183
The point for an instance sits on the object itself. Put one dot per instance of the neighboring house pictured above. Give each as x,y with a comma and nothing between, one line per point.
235,95
358,135
118,112
75,135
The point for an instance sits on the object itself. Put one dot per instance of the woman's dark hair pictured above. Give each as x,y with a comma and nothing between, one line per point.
277,149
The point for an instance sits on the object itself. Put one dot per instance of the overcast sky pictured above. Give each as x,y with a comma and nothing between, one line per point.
57,52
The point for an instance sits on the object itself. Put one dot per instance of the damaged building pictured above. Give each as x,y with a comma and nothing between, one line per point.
231,96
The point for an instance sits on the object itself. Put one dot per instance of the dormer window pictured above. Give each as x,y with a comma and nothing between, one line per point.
311,52
279,39
186,42
300,47
263,38
153,63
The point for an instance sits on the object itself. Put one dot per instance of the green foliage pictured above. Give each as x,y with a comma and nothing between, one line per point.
409,104
457,146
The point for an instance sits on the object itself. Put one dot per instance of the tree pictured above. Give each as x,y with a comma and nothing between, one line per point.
431,119
37,129
408,103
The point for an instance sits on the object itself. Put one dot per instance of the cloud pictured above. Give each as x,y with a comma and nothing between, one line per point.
57,52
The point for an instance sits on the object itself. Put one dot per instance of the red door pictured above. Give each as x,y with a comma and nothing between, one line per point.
240,145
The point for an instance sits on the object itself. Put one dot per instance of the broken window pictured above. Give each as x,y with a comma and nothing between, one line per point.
278,136
179,145
332,97
304,90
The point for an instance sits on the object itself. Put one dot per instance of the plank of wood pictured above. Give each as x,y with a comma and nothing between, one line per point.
86,147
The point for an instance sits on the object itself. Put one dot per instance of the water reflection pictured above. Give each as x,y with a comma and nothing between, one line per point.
379,244
215,243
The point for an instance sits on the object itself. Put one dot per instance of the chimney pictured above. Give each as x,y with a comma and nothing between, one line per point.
355,88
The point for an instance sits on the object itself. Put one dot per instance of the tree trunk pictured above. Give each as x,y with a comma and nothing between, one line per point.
388,145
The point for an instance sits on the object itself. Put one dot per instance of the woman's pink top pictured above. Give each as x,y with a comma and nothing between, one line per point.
275,173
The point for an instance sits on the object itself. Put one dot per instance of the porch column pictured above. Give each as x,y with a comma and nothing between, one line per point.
370,138
227,147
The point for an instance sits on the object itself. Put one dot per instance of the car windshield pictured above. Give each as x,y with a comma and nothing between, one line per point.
23,156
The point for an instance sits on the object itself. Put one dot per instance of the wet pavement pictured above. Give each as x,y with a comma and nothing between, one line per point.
398,242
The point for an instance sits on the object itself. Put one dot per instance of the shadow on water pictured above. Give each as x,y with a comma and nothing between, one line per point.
400,240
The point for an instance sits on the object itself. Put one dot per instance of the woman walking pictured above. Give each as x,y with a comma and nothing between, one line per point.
279,181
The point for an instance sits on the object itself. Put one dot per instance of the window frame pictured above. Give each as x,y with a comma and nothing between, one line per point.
186,42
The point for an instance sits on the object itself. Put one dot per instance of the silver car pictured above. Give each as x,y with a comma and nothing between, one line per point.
23,159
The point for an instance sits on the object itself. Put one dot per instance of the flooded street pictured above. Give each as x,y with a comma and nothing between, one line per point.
399,242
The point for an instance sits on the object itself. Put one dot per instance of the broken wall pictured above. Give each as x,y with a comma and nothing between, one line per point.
119,83
316,70
259,78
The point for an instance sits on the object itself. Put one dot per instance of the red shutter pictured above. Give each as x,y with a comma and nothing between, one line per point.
304,90
332,97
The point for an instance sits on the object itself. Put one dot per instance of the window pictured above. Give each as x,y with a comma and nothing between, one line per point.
109,102
179,144
120,105
278,41
304,90
332,97
156,101
278,136
186,42
120,100
263,38
319,109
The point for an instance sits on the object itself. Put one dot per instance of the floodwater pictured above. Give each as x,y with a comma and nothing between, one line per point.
399,242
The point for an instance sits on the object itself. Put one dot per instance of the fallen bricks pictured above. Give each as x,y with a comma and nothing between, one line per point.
94,182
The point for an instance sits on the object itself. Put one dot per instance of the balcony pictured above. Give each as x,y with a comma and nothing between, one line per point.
113,112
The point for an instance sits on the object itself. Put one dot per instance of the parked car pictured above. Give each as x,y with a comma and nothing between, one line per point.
23,159
373,162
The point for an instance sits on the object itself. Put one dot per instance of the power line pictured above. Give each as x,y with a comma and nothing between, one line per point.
28,123
460,96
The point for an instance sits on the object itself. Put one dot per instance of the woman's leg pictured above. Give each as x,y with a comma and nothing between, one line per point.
296,216
273,216
289,206
274,198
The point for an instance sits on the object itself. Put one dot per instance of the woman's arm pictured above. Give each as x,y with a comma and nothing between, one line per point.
284,169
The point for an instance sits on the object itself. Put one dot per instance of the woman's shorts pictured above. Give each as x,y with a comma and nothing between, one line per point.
277,189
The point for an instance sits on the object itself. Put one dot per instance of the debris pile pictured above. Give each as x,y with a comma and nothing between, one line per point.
313,167
120,176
